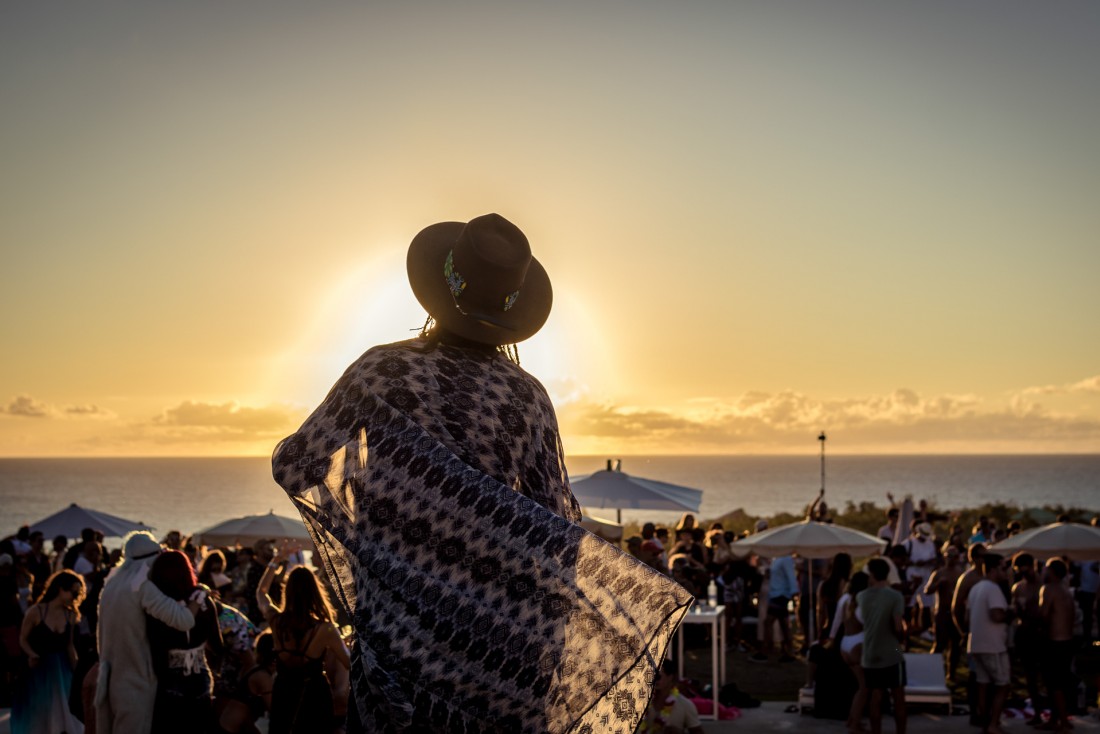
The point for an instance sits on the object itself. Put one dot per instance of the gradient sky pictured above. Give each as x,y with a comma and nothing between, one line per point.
761,219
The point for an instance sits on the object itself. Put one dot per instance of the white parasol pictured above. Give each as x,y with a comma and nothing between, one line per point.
74,518
811,539
613,488
1075,541
251,528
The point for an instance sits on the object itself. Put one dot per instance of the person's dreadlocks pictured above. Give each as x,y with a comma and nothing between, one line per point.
431,331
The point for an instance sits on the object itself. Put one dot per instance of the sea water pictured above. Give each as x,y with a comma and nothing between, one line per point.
194,493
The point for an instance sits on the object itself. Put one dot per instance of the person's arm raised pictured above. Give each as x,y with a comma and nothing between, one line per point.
267,607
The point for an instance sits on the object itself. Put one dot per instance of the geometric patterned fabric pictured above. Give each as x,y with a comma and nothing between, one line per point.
432,479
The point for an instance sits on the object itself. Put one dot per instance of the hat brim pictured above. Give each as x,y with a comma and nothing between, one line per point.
427,255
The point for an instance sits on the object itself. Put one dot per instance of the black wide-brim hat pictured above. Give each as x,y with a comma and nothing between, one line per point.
478,280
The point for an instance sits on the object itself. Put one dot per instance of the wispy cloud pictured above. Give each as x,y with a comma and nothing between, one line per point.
25,406
191,420
1087,385
88,411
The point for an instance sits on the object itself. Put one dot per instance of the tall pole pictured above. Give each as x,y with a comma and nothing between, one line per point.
821,438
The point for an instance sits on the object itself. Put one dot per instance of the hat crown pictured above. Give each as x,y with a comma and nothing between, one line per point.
479,280
491,256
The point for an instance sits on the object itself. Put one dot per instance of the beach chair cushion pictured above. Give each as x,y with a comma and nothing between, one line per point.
926,679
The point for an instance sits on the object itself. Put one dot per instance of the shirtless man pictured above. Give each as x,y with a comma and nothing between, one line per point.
1029,625
941,585
958,609
1056,606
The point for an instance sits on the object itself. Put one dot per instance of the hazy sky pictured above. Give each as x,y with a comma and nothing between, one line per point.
761,219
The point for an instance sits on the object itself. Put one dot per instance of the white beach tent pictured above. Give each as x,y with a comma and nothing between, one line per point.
74,518
1075,541
251,528
613,488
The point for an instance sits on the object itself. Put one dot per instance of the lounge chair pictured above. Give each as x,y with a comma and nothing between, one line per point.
927,680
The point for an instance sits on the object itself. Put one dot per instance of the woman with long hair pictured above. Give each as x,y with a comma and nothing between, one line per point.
304,632
687,522
851,644
212,573
184,701
47,640
830,591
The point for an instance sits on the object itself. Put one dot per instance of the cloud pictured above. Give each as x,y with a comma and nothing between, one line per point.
88,411
27,407
1087,385
903,419
193,420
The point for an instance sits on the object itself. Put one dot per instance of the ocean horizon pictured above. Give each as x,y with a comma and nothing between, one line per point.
190,494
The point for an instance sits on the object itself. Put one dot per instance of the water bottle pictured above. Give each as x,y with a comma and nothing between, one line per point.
712,594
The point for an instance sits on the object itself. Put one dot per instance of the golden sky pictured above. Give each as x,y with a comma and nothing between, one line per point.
761,219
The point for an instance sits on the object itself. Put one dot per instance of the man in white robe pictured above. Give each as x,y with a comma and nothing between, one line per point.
127,686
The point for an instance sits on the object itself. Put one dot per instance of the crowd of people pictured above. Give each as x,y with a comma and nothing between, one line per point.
994,619
235,634
168,637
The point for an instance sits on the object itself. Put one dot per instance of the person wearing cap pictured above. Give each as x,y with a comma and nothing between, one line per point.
651,554
924,556
432,479
126,689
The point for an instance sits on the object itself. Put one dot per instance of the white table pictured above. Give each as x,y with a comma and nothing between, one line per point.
716,618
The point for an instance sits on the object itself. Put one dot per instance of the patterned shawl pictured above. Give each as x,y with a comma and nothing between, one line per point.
432,479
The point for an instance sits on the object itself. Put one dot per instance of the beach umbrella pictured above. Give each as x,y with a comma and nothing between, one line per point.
74,518
251,528
606,529
811,539
1076,541
614,488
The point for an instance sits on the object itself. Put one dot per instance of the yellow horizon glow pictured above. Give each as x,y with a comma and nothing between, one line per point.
759,221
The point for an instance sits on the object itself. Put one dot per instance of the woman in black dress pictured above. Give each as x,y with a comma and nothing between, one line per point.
41,705
303,633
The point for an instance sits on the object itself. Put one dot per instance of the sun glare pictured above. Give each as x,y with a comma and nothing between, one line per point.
570,356
372,305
